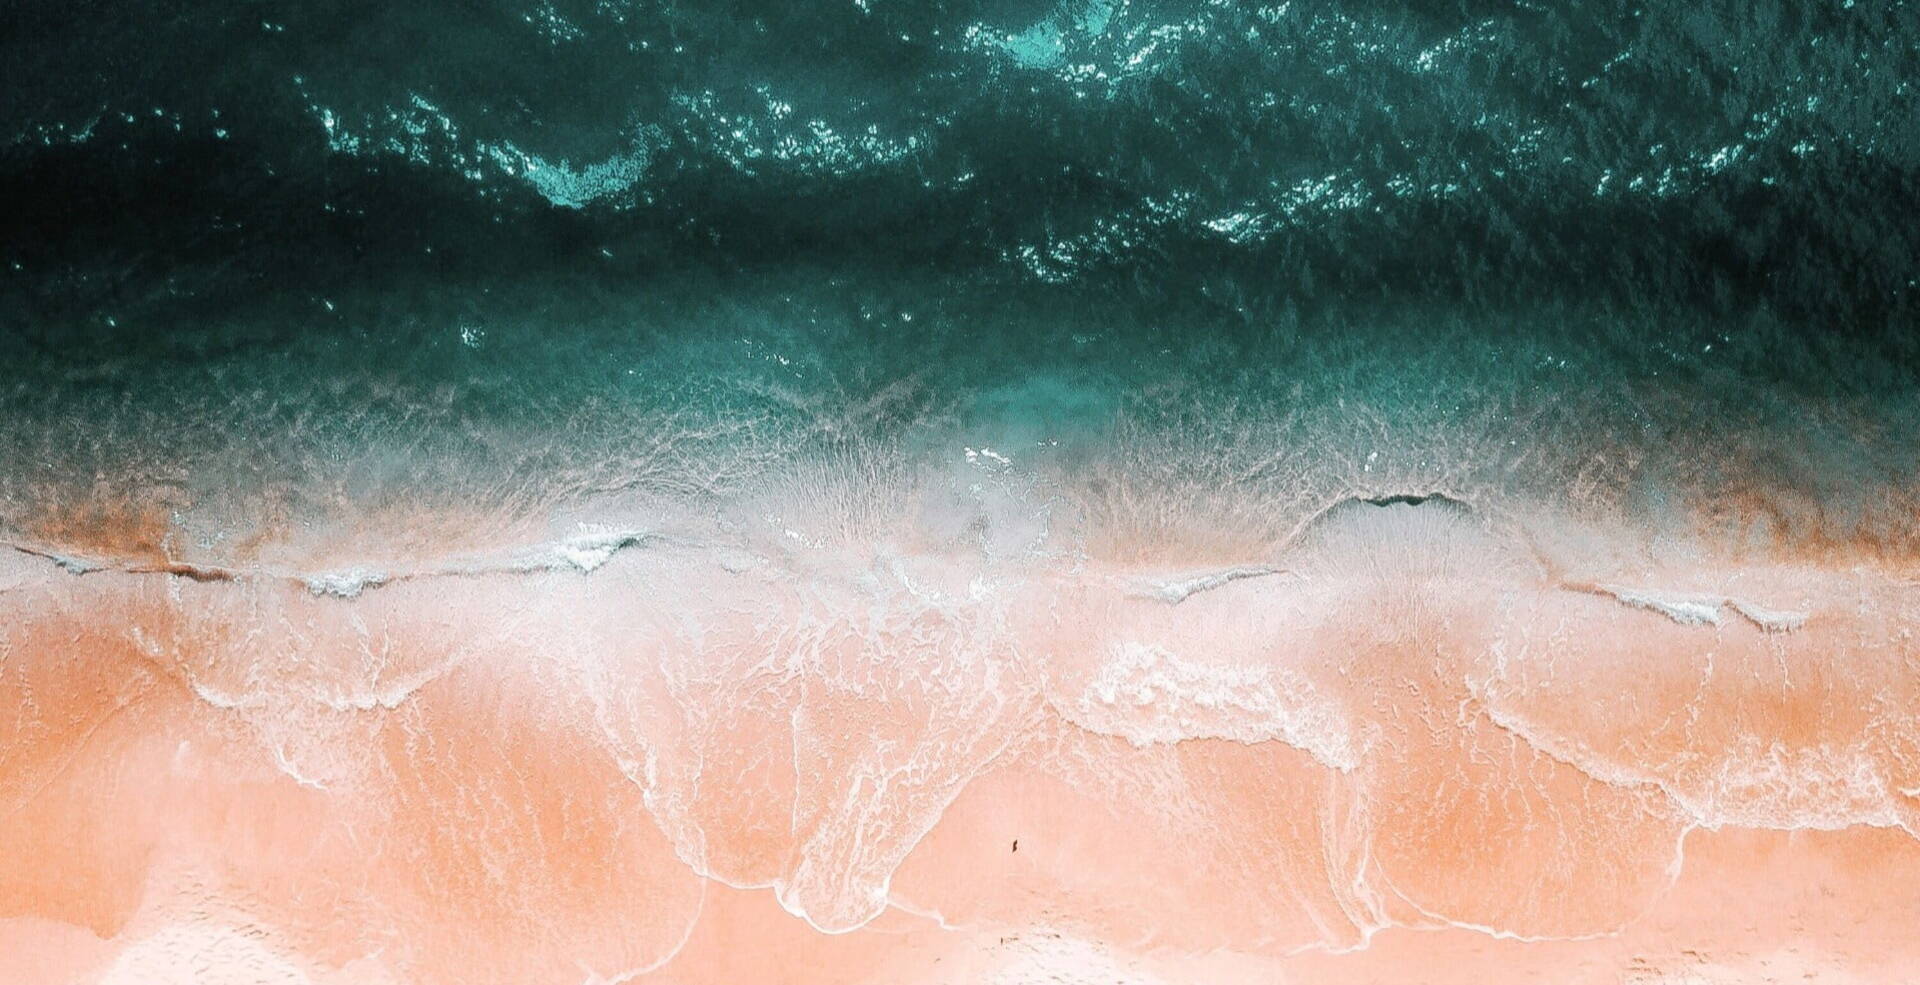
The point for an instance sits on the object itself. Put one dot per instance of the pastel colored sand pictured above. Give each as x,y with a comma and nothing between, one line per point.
1405,737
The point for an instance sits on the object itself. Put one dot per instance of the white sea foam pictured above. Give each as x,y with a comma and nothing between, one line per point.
1149,695
594,545
1771,620
1177,590
1701,610
1688,610
345,584
1745,784
584,551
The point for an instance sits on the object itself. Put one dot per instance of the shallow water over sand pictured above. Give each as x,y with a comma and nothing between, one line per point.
1409,734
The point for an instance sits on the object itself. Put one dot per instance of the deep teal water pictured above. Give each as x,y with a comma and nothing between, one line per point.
430,244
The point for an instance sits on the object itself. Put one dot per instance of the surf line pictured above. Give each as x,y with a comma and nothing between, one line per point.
584,552
1692,609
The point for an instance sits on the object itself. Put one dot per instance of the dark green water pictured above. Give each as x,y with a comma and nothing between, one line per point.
426,248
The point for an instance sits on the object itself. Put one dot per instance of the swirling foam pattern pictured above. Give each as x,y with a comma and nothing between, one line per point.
1003,491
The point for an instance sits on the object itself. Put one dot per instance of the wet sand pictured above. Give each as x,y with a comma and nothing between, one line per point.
1410,747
